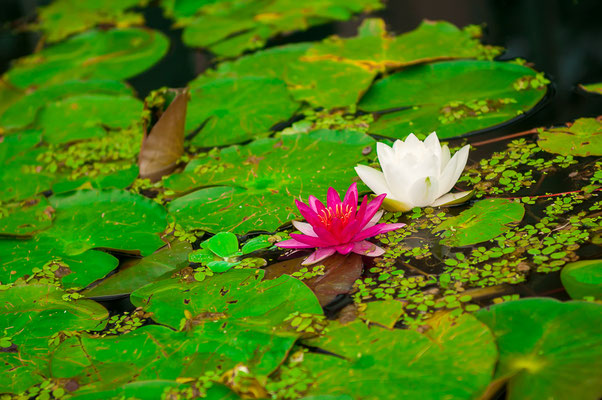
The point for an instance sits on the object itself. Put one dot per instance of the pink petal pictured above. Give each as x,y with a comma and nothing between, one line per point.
366,248
309,214
333,198
315,204
311,240
326,235
345,248
374,220
351,197
293,244
375,230
372,208
319,255
304,228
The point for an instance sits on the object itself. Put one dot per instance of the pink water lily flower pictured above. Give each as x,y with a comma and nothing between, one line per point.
340,226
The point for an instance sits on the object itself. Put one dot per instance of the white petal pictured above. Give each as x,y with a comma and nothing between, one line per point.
424,191
396,206
453,170
399,178
453,198
374,179
304,228
385,153
432,144
445,157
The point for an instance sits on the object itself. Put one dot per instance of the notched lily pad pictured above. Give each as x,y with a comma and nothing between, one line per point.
583,279
455,360
548,349
253,187
452,98
95,54
485,220
581,138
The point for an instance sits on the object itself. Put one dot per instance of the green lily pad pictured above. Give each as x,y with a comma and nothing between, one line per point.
113,54
20,257
86,116
583,279
230,28
254,186
233,110
327,83
134,275
143,390
23,112
582,138
35,215
239,297
274,62
114,219
548,349
592,88
155,352
485,220
118,180
385,313
84,220
453,98
376,50
455,360
30,315
62,18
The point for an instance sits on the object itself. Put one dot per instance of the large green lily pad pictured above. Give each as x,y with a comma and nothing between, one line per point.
375,49
483,221
86,116
548,349
229,28
238,298
62,18
133,275
583,279
96,54
25,219
233,110
582,138
30,315
85,220
453,98
23,111
253,187
455,360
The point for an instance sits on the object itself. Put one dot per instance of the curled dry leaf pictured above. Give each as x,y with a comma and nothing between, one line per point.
163,145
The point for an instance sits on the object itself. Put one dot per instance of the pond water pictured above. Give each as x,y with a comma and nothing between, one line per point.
153,271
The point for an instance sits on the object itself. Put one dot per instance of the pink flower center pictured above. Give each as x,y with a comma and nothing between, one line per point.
340,212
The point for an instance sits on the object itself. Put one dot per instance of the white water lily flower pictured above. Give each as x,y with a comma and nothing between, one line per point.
416,173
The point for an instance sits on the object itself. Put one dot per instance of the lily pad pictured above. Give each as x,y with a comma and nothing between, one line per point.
385,312
455,360
548,349
233,110
86,116
62,18
376,50
485,220
35,215
133,275
238,297
230,28
453,98
85,220
96,54
592,88
23,112
583,279
582,138
253,187
30,315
